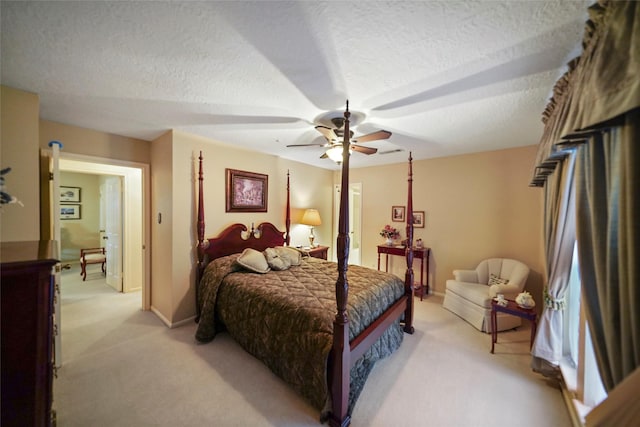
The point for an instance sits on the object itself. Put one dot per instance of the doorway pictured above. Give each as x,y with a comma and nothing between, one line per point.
96,223
355,220
134,267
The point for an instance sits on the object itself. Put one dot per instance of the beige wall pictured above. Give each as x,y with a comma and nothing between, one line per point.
476,206
162,233
19,150
90,142
84,232
176,290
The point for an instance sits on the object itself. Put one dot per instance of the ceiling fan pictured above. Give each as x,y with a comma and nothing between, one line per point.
335,136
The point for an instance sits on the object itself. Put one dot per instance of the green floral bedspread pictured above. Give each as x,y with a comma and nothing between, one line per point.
285,318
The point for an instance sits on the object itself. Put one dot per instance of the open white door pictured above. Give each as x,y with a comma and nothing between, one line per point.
355,220
54,191
113,230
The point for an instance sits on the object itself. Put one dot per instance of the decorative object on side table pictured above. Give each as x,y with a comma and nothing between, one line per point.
501,301
525,300
390,234
311,218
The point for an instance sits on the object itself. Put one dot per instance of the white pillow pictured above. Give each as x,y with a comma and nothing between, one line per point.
275,261
253,260
293,255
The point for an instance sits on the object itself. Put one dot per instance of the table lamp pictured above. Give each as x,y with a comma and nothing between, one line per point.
311,217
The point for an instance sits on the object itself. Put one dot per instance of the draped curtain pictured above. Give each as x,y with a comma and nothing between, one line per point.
607,192
594,110
559,228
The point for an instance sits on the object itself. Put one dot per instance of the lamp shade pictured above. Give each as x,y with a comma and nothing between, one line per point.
311,217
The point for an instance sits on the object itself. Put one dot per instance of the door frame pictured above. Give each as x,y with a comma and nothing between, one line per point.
352,214
136,202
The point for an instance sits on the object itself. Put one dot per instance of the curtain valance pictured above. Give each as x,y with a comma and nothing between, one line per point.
599,85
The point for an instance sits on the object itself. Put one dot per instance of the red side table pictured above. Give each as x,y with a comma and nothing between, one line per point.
421,253
514,309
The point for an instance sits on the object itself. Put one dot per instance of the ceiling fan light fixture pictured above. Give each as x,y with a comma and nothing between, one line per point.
335,153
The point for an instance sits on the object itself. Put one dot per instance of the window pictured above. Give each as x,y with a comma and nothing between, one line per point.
579,369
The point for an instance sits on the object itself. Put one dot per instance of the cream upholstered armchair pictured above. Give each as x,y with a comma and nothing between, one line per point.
469,294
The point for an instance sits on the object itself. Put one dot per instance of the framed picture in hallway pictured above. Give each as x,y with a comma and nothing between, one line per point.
70,212
69,194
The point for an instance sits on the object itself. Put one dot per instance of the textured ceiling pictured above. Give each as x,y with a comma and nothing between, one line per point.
445,77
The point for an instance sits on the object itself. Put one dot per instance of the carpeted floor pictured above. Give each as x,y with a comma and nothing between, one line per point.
123,367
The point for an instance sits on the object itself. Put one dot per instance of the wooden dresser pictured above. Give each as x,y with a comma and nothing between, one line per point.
27,332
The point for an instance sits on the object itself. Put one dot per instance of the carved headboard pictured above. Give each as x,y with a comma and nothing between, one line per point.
236,238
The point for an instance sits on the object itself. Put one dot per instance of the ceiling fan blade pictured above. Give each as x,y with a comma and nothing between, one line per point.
327,132
363,150
307,145
381,134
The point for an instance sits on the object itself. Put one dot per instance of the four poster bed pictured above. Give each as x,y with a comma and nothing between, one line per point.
318,328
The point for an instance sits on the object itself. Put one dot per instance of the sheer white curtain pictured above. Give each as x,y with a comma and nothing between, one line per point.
559,226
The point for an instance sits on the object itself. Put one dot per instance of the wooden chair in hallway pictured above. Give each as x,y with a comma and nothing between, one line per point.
92,256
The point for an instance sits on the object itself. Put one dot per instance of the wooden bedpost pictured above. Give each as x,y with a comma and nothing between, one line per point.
287,221
408,278
340,361
202,244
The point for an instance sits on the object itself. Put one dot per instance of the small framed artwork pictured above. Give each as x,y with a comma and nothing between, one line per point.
246,191
70,212
418,219
70,194
397,213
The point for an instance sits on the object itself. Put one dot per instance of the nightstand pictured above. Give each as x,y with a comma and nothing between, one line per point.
317,252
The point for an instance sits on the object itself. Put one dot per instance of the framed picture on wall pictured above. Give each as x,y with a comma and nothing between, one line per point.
69,194
397,213
246,191
70,212
418,219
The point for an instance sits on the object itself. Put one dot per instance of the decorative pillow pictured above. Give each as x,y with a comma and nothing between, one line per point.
293,255
276,261
253,260
495,280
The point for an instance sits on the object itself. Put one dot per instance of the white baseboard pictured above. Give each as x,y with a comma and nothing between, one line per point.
169,324
161,316
191,319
